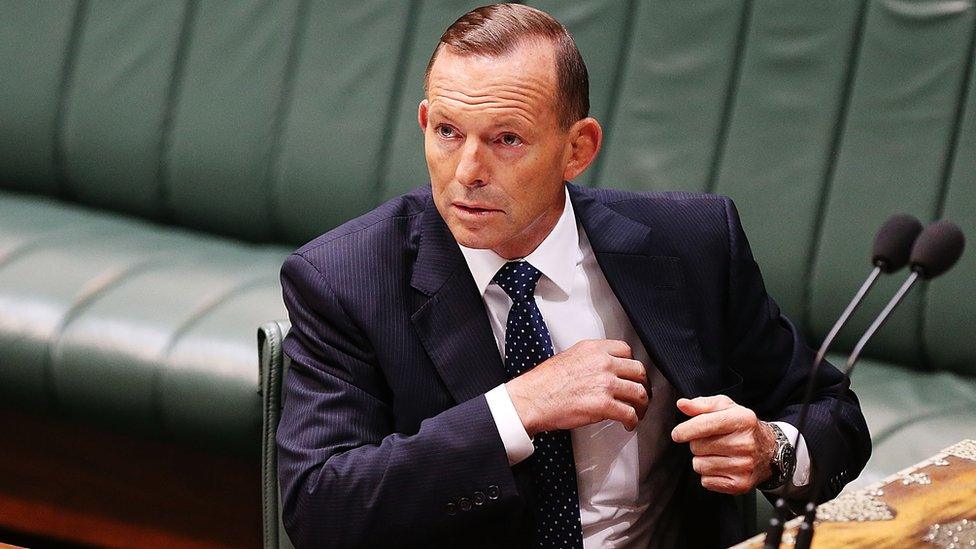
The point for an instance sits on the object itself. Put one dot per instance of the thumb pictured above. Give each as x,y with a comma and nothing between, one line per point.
701,405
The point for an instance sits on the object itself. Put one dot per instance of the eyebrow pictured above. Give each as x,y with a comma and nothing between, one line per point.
512,122
507,121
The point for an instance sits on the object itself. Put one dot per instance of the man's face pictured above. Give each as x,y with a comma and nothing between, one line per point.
496,154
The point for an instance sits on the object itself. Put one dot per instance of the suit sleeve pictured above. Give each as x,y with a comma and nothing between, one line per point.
774,361
347,478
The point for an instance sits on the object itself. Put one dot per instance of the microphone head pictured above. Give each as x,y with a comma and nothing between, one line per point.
937,249
893,243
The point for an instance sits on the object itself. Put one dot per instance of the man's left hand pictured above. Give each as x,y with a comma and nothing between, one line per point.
732,448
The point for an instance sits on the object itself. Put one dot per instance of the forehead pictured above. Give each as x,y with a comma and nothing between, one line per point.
523,79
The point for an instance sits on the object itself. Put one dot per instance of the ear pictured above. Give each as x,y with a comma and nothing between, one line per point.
422,115
585,138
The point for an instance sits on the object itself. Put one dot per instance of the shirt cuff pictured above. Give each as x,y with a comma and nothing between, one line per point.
518,444
801,475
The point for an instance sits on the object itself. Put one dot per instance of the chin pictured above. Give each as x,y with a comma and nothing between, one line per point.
471,239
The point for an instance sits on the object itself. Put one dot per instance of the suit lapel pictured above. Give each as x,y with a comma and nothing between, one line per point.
650,286
452,322
638,263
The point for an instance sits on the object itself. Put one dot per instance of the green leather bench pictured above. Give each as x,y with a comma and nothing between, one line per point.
158,160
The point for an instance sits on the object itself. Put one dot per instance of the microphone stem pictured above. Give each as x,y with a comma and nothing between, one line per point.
775,530
805,535
879,322
811,377
851,307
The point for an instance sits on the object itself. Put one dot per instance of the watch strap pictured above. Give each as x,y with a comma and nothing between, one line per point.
783,462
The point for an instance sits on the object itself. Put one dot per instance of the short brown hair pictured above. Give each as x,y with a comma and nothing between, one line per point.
497,29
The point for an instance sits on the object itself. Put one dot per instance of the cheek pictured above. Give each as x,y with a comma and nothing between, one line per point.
440,161
538,180
531,173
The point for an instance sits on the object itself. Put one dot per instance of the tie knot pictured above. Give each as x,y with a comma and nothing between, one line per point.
518,279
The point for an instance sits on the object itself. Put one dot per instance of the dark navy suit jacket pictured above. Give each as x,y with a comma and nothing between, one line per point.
385,421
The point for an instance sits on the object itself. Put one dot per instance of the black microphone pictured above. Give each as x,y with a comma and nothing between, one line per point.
890,252
893,243
935,251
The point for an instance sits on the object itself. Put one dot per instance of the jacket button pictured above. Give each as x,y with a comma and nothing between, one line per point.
451,509
464,504
493,491
479,498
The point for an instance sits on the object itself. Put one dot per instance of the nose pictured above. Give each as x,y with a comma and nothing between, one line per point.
471,170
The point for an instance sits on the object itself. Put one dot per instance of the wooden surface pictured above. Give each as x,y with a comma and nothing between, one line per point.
72,482
950,497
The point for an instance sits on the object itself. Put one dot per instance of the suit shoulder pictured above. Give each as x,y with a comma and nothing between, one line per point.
668,207
375,224
377,240
610,196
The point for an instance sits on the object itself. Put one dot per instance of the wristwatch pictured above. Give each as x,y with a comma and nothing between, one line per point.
783,463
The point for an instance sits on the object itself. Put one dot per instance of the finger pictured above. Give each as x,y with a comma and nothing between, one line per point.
633,394
723,466
705,404
705,425
617,348
633,370
734,444
624,413
726,485
709,446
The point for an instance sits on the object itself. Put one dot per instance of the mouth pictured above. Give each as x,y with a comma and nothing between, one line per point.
477,210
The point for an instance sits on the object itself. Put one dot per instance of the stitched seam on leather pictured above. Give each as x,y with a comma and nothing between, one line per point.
169,110
82,303
952,147
836,140
383,157
731,89
194,317
53,238
282,108
58,155
407,41
623,57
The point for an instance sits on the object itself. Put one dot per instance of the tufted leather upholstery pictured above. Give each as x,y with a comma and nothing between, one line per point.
159,159
123,323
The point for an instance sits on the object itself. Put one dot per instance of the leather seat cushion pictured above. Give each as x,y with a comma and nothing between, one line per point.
911,414
131,324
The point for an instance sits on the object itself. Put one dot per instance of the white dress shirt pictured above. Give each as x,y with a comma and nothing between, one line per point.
614,468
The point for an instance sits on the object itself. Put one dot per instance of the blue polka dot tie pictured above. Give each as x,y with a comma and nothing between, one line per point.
527,343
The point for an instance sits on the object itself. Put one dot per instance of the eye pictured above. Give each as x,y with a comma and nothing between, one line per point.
510,140
446,132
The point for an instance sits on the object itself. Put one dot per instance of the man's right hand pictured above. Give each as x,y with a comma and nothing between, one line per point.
591,381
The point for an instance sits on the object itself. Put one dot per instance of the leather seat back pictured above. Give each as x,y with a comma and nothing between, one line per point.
275,121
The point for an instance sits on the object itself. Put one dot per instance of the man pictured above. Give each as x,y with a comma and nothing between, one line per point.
504,359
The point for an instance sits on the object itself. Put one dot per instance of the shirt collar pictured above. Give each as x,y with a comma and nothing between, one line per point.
555,257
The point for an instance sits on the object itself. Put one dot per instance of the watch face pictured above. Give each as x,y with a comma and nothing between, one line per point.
783,462
789,459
